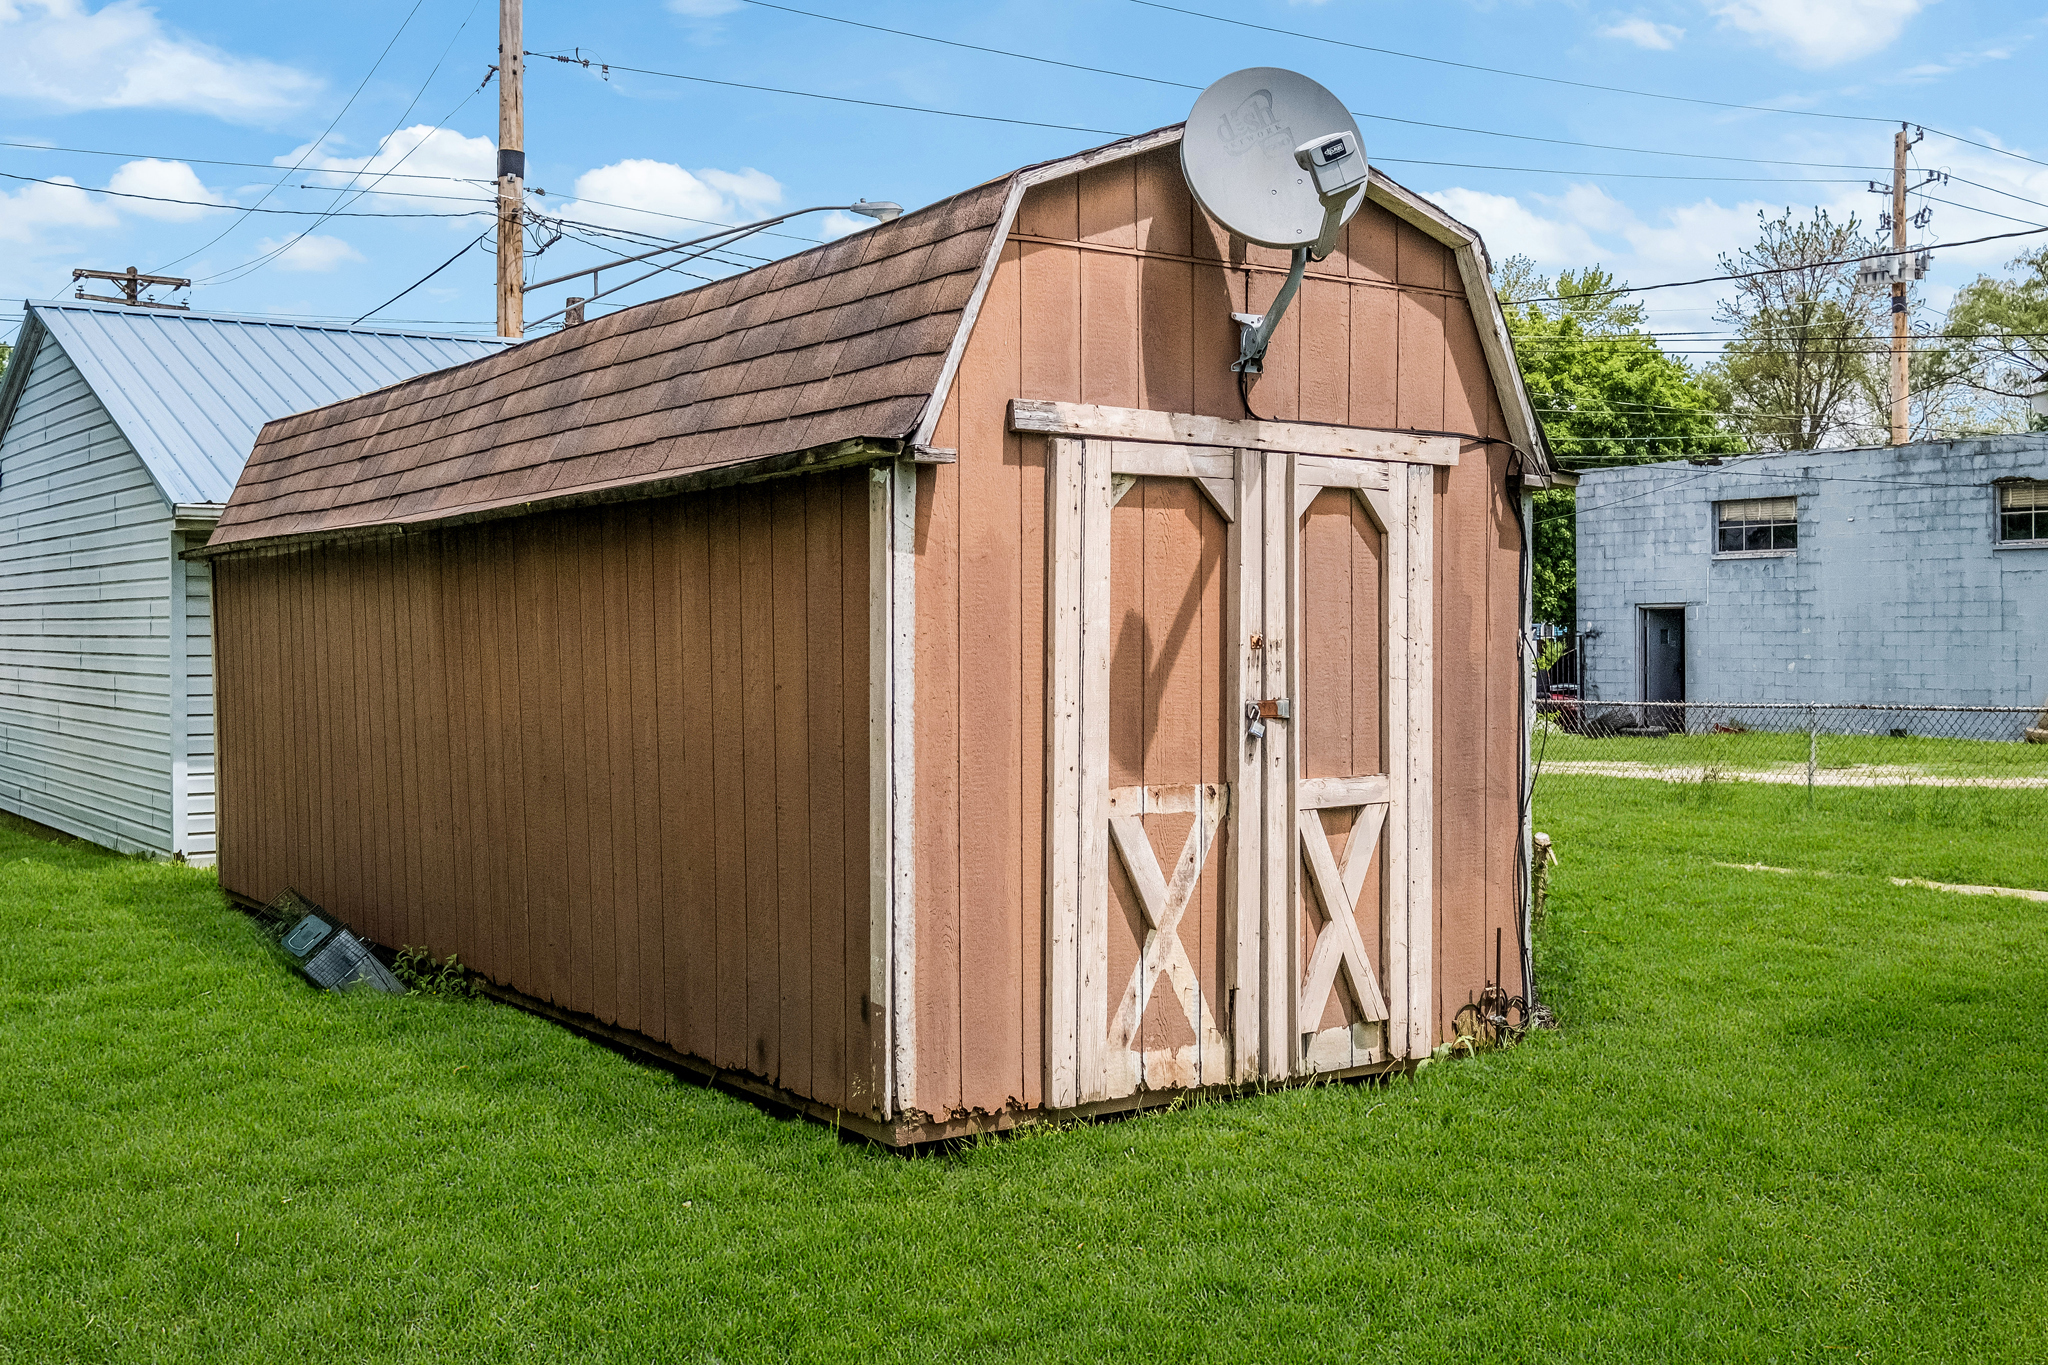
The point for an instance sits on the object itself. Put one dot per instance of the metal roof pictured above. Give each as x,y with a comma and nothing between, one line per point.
191,390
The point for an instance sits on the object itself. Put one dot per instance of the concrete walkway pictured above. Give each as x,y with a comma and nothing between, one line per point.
1790,774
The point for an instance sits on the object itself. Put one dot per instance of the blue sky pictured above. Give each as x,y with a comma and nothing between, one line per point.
179,91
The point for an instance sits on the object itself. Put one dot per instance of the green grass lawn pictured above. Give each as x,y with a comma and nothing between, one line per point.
1788,1118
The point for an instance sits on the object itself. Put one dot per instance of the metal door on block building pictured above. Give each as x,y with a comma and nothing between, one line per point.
1239,653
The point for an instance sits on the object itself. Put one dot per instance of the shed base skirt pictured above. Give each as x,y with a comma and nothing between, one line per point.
906,1134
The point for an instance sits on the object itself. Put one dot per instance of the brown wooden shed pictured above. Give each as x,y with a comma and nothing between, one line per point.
836,677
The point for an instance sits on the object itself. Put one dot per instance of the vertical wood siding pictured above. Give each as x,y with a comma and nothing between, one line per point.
615,759
1116,289
85,591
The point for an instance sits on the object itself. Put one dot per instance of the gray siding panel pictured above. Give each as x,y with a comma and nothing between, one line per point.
85,564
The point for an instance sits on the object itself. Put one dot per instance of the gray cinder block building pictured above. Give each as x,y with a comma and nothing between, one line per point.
1911,574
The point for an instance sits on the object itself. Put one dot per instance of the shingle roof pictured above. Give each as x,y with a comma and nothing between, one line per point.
190,391
842,342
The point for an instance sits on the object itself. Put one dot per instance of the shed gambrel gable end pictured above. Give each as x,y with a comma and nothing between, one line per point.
1474,269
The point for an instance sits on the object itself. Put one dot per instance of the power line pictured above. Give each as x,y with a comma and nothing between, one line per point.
340,196
1420,123
1383,118
1750,274
1502,71
973,47
311,147
1978,184
197,160
1971,142
625,234
837,99
1614,147
1989,213
207,204
1773,334
1617,175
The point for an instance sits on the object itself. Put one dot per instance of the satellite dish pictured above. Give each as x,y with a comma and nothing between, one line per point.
1278,160
1239,154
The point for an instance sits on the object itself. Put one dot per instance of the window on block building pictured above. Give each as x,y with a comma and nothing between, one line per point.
2023,511
1752,525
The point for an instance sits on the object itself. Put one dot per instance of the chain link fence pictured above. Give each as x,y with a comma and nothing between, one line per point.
1810,747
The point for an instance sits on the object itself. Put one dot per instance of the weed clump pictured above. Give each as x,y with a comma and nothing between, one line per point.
419,971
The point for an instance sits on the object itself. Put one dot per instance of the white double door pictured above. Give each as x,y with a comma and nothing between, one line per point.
1238,744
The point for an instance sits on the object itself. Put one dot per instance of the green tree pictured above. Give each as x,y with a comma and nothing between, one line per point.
1997,338
1606,394
1805,366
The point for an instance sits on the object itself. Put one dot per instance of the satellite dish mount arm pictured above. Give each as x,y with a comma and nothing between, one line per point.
1259,327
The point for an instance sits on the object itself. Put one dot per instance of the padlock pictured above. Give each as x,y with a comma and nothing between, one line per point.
1254,725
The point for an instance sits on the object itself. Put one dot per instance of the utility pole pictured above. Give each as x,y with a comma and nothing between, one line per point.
1900,144
131,286
512,170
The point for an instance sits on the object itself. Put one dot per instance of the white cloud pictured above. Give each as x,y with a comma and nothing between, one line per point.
65,56
1924,72
634,194
311,253
837,225
1817,33
702,9
1644,33
162,180
1585,226
1510,228
752,190
421,150
26,215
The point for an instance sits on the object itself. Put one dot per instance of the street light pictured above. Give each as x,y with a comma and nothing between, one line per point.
881,210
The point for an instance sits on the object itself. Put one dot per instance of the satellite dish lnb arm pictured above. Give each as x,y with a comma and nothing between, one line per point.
1337,163
1258,327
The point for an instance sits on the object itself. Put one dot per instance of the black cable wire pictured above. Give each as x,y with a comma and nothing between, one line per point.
424,278
1244,395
